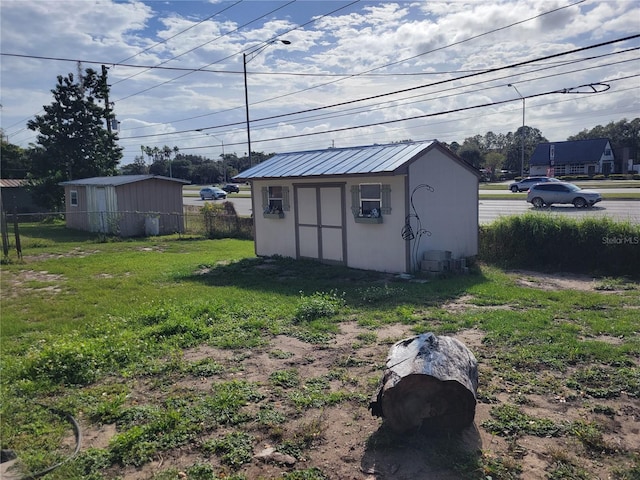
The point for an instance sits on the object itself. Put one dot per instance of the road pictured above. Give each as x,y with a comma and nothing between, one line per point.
490,210
619,210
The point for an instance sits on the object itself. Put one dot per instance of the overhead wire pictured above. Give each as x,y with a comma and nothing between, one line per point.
402,102
345,112
200,46
419,87
170,38
474,37
421,54
266,42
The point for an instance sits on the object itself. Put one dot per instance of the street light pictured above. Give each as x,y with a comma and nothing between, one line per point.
246,59
522,134
224,170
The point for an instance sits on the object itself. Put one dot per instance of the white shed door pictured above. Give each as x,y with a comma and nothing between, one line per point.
320,222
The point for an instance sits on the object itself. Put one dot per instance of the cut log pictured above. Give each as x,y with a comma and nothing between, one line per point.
430,383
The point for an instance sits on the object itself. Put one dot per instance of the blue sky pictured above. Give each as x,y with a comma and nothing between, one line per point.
354,73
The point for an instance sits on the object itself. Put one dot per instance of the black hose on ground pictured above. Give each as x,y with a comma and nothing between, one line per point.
77,433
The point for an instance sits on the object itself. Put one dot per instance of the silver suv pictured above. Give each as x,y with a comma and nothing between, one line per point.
547,194
524,184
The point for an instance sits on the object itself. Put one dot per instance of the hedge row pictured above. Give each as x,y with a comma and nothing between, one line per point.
548,242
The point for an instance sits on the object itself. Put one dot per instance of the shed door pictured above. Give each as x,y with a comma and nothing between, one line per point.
320,220
101,206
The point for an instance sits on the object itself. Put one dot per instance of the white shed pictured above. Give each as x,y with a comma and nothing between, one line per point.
377,207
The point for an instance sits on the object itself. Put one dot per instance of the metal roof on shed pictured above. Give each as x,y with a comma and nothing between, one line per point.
372,159
117,180
13,183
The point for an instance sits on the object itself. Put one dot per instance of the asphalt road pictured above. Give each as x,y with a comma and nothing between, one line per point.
490,210
619,210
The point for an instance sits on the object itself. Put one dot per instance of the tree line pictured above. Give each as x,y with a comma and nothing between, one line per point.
169,162
75,139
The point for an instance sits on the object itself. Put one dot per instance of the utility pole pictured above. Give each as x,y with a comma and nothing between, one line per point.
105,86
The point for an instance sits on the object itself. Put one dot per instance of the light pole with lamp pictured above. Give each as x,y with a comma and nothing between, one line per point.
224,170
246,58
522,134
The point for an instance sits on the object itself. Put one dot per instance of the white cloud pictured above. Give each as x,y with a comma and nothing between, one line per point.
392,38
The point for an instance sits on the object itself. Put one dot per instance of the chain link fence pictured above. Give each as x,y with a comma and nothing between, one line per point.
200,222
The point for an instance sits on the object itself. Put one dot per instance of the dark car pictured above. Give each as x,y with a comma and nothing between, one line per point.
231,188
542,194
524,184
212,192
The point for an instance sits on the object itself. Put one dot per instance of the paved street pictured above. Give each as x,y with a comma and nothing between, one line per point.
620,210
490,210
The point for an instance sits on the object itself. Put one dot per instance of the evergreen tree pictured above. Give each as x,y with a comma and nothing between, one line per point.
72,141
15,162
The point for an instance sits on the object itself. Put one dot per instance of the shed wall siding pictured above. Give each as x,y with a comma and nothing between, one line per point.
121,209
369,246
76,217
378,246
273,236
450,212
150,196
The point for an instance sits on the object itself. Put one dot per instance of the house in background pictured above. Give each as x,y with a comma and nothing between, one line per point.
577,157
125,205
378,207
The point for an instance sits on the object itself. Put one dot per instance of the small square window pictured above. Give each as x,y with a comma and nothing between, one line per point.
275,199
73,198
370,199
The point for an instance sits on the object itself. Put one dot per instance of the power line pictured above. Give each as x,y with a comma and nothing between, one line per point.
110,63
456,120
372,97
553,65
474,37
416,117
238,53
175,35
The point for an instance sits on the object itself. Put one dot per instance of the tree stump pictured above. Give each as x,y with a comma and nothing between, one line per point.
429,383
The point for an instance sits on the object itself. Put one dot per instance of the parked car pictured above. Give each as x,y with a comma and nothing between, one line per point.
231,188
549,193
212,192
506,175
524,184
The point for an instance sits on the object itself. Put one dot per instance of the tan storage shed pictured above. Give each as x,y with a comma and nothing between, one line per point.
125,205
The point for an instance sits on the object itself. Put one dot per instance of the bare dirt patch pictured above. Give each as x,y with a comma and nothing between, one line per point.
32,280
349,443
554,281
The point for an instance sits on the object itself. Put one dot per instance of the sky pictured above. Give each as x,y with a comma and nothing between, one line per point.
352,72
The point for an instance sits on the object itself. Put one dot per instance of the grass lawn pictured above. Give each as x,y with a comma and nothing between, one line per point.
184,358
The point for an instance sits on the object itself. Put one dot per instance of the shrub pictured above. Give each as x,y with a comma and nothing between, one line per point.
221,221
543,241
319,305
73,362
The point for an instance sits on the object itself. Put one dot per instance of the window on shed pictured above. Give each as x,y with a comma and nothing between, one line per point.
73,198
275,199
370,200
